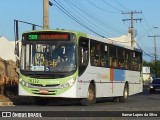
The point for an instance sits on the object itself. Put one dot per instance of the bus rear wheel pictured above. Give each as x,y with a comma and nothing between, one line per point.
91,96
124,98
41,100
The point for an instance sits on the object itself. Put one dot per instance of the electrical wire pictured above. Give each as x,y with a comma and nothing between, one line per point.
86,20
146,29
60,7
83,25
100,8
85,12
71,16
122,5
144,51
111,6
66,12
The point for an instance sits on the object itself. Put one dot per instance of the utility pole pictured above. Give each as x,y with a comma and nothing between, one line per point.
131,29
155,51
45,14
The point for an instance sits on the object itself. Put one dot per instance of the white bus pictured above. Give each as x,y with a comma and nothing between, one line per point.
71,64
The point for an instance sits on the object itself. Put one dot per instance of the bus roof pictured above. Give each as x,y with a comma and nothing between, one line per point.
58,30
105,40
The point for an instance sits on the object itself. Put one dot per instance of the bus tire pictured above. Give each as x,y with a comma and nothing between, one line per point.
91,96
124,98
41,100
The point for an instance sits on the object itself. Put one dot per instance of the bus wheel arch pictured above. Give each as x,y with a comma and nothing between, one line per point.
91,95
124,98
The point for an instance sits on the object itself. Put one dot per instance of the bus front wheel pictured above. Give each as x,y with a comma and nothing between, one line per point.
91,96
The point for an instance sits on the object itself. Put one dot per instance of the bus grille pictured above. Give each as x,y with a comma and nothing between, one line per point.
50,92
46,86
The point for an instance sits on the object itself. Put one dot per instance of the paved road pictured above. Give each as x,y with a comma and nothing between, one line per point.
136,104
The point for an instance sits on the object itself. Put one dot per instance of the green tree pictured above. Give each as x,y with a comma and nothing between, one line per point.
153,67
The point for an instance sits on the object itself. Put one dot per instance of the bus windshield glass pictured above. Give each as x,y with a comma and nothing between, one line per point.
52,57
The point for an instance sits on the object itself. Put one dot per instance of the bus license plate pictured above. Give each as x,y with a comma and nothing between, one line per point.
43,91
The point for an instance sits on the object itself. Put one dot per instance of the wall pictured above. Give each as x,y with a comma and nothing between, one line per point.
8,76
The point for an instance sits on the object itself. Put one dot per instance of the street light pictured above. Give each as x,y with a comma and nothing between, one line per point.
50,3
155,27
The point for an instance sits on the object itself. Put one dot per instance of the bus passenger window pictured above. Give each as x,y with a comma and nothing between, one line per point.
121,56
96,61
95,54
99,54
113,56
114,63
104,55
110,59
103,61
127,60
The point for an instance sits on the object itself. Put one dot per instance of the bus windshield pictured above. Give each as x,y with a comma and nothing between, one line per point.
52,57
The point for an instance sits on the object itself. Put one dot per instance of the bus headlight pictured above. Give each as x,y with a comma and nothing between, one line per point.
26,84
151,86
69,83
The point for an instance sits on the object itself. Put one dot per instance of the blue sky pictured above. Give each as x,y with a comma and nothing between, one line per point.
103,16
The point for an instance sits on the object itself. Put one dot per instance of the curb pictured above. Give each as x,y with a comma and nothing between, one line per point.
15,100
6,104
5,101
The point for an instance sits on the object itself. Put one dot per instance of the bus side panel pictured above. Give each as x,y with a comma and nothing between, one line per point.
135,82
114,84
82,89
105,87
109,89
107,84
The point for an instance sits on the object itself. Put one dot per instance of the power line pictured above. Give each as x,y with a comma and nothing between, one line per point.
76,9
132,37
121,5
111,6
75,19
131,30
145,20
92,26
144,51
68,14
100,8
146,29
79,9
83,25
155,50
89,14
144,35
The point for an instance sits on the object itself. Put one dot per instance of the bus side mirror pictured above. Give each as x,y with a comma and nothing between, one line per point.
16,51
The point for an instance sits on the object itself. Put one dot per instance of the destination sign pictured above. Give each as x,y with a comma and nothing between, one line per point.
47,36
